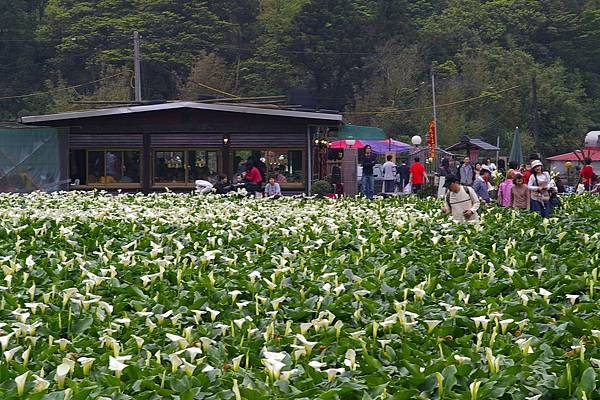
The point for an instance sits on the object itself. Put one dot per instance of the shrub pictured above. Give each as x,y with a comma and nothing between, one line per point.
321,188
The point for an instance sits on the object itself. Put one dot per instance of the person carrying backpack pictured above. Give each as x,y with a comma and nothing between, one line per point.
461,201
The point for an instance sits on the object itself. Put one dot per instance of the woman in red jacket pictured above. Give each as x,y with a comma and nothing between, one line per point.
253,178
587,174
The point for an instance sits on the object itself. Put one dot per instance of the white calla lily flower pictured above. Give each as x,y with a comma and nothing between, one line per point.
333,372
181,342
86,364
20,382
117,365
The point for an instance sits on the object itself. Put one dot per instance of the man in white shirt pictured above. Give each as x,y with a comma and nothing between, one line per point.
489,165
389,175
461,201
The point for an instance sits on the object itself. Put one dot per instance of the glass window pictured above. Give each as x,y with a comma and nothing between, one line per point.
169,167
131,167
287,166
95,166
77,160
203,164
113,166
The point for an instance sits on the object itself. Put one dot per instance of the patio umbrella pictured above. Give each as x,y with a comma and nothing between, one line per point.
341,144
388,145
516,152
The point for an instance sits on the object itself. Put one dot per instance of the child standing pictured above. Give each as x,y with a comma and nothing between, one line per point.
519,193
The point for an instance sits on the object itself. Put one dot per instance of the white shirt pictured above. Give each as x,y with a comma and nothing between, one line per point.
543,182
388,171
465,199
491,167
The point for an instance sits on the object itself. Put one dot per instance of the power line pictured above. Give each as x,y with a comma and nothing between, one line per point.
65,88
193,81
430,107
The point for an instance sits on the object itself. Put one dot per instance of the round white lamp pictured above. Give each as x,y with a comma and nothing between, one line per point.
350,142
416,140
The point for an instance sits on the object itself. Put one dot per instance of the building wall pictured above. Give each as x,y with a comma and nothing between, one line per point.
144,143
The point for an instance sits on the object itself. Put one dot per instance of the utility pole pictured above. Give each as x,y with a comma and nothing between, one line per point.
536,115
497,151
136,66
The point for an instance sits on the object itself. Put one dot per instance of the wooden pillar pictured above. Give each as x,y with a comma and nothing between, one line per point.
64,158
146,155
309,161
349,177
226,162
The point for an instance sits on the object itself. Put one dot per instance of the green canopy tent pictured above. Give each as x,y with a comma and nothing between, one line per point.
358,132
516,152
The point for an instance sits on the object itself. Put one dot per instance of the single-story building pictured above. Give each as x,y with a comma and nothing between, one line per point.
172,144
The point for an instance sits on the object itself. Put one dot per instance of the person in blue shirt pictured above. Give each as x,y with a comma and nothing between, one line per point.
272,189
466,172
481,185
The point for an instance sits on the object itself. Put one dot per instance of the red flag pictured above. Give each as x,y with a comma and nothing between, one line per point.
431,139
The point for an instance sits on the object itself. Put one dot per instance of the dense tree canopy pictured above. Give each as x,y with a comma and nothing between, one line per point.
498,63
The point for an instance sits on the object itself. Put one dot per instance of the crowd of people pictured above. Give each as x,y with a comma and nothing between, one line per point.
527,187
465,187
468,186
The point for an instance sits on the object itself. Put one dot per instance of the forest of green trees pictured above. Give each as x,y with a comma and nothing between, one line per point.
498,63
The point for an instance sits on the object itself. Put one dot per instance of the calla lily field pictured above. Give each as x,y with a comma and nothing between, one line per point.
179,296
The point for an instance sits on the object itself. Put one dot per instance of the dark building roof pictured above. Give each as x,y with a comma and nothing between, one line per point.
181,105
467,143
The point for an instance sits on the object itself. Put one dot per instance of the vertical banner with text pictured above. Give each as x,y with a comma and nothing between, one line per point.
431,140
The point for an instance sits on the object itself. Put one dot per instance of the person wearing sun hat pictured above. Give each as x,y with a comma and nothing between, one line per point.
461,201
539,185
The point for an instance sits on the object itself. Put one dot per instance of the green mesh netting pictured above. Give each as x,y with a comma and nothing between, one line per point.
29,159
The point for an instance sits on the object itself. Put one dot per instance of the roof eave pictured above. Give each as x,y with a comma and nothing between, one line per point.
337,118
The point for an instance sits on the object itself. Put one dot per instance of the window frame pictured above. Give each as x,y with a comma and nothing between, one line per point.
187,183
115,185
289,186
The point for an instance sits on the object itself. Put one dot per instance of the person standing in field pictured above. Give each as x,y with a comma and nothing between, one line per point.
489,165
403,175
418,175
540,184
481,186
461,201
443,172
476,171
526,171
520,196
587,174
389,174
466,172
596,188
368,180
505,188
